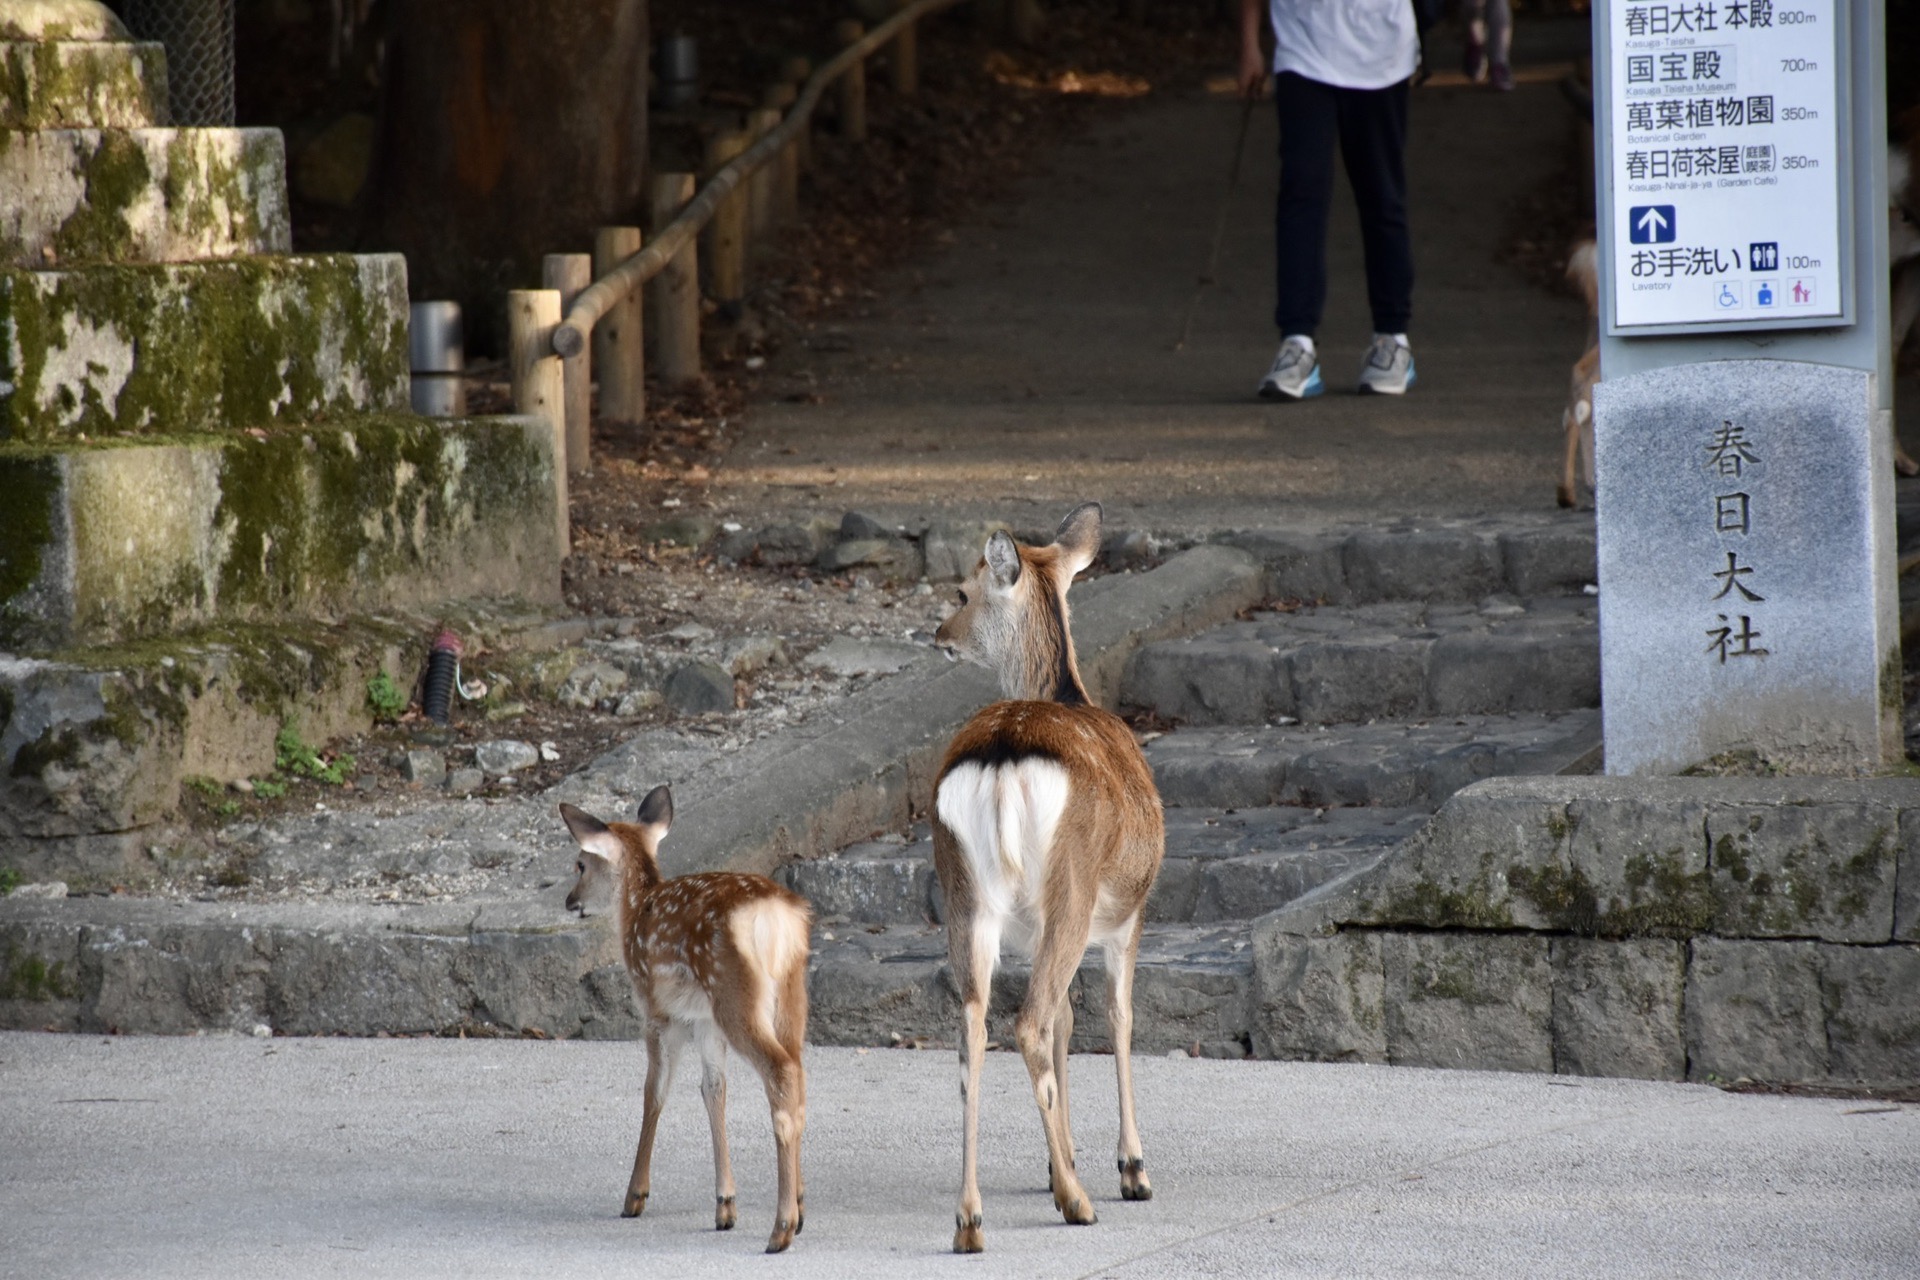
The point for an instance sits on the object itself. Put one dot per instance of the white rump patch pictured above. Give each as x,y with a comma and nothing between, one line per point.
1003,817
771,934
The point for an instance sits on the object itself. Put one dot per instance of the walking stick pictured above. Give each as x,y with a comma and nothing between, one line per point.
1219,223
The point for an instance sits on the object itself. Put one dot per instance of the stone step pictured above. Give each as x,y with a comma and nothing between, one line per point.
885,984
1455,560
1326,664
183,348
364,513
181,967
72,84
1391,763
142,195
1220,865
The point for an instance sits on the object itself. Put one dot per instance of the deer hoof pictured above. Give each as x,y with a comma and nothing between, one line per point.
782,1236
1079,1211
1133,1180
723,1213
636,1202
967,1235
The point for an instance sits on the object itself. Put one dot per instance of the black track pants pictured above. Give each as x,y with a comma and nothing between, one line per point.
1371,128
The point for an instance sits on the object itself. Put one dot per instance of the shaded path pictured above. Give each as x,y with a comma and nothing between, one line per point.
1030,364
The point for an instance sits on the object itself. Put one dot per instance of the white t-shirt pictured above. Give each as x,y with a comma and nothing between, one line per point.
1352,44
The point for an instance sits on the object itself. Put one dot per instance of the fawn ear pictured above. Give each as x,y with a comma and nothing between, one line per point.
1003,560
592,834
1079,537
656,812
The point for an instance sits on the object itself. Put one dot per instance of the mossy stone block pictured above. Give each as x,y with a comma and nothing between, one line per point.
119,543
1477,1001
1805,870
199,347
142,195
1755,1010
71,84
60,20
1617,1008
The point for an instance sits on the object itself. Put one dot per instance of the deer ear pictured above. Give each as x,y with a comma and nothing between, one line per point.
1003,560
657,811
591,834
1079,536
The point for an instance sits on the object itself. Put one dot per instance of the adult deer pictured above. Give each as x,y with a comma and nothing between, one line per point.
1047,834
717,959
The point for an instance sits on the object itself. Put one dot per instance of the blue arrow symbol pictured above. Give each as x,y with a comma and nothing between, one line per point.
1651,223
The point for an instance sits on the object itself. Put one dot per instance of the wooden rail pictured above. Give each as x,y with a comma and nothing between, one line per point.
612,287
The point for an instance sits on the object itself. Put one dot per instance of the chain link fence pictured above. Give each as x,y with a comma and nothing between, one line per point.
198,35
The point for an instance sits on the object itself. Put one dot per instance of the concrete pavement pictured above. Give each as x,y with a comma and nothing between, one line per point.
422,1158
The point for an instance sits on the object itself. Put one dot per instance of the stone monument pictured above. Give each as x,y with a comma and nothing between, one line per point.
1743,424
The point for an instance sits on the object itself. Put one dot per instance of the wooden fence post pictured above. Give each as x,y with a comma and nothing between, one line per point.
853,85
539,384
567,274
903,62
676,290
727,233
619,339
795,71
761,194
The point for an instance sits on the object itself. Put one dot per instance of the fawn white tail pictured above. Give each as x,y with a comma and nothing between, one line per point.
1047,834
717,959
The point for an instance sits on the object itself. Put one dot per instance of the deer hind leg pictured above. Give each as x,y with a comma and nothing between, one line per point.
1054,961
664,1040
1120,960
713,1091
786,1085
791,1030
1062,1039
973,949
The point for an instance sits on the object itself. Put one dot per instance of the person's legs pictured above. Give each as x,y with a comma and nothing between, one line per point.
1474,58
1308,126
1373,135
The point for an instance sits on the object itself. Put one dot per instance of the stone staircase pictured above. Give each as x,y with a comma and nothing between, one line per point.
216,514
1309,740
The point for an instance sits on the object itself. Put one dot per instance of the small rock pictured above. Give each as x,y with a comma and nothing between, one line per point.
243,785
424,765
845,656
504,755
857,525
1501,607
1126,548
589,682
681,531
506,710
749,654
464,782
891,559
261,1031
736,545
699,687
923,589
638,703
45,889
786,545
549,751
691,632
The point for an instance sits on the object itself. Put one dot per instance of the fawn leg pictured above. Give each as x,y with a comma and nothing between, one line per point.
713,1091
663,1046
1062,1038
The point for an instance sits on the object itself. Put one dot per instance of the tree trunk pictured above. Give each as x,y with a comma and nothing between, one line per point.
509,129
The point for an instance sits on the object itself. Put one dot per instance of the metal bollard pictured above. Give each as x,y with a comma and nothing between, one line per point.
436,352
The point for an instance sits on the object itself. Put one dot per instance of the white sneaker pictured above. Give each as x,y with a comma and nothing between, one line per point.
1389,367
1295,374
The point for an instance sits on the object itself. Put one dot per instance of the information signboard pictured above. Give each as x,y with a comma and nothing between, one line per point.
1724,161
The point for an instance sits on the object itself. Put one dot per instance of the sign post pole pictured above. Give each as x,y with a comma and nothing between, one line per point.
1743,422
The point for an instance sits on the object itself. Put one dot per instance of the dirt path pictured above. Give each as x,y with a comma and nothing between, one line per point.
1031,363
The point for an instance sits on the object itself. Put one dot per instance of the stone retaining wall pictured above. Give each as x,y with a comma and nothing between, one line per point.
1698,929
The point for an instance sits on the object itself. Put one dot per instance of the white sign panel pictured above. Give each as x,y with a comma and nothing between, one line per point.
1727,169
